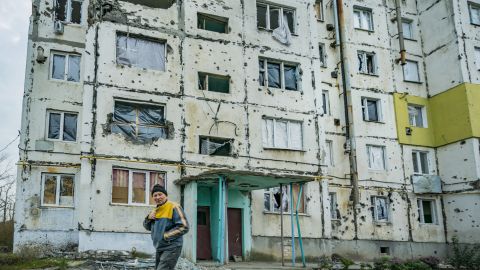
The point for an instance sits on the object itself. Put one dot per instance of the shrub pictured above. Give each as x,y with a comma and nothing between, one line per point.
464,257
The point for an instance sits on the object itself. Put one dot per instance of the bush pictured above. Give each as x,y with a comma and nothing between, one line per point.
398,264
464,257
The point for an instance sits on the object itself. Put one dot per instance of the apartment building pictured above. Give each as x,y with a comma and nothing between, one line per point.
248,112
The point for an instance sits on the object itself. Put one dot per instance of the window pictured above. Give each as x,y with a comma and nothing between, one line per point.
58,189
376,157
319,10
427,211
329,153
477,57
271,17
278,74
407,28
417,116
420,162
367,63
271,199
410,71
212,23
134,186
371,109
141,53
214,83
137,121
334,213
363,18
474,13
321,49
215,146
326,102
62,126
65,67
282,134
380,209
69,11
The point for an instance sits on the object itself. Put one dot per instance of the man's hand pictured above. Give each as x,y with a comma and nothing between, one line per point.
152,214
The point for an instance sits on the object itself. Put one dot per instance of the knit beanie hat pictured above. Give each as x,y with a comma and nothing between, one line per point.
159,188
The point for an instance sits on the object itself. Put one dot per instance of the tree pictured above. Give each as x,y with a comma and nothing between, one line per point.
7,190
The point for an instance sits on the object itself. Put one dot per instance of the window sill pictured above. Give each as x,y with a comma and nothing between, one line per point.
417,127
53,140
417,82
140,68
382,223
365,30
410,39
271,30
218,92
64,81
374,122
284,149
284,213
428,224
377,170
321,20
131,205
475,24
278,89
51,206
369,74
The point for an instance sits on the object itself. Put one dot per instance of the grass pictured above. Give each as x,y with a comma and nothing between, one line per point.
16,262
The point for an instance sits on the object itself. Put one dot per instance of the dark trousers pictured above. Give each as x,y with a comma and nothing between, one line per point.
167,259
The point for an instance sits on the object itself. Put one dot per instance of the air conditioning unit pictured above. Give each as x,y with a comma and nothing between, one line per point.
58,27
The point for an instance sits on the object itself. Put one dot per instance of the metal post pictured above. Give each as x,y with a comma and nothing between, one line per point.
221,222
281,223
300,242
291,221
225,220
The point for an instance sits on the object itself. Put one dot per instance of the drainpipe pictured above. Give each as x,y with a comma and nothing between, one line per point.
398,10
350,146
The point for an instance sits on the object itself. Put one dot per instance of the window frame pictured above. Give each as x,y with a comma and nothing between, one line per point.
319,10
144,38
362,10
410,26
214,18
282,73
472,5
68,12
270,191
329,146
384,157
375,211
378,108
364,55
326,103
288,121
421,216
61,131
57,190
423,111
280,18
206,74
229,140
418,72
67,56
418,154
333,202
130,185
322,56
477,57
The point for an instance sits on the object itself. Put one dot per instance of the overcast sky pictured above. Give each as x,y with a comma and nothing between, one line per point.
14,20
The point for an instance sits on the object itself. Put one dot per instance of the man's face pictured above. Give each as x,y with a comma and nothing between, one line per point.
159,197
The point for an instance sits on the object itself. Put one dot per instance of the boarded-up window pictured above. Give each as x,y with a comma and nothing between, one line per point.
282,134
134,186
273,199
376,157
141,53
69,11
58,190
214,83
212,23
62,126
215,146
65,67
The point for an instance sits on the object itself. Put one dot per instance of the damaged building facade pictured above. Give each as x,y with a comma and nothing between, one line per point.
238,109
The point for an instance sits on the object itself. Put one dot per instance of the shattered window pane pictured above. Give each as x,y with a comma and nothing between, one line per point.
380,211
58,69
138,187
60,10
274,17
212,24
376,157
120,186
215,146
266,201
73,74
66,190
370,109
319,10
261,16
333,206
415,115
54,126
70,127
289,15
219,83
415,162
261,74
140,53
290,77
321,49
274,75
202,81
76,9
50,190
325,104
272,199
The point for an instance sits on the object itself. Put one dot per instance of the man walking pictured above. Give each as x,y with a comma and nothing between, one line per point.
167,223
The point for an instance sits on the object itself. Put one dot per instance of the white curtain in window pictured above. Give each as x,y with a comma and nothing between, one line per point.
376,157
366,20
410,70
282,33
356,21
296,135
267,133
281,136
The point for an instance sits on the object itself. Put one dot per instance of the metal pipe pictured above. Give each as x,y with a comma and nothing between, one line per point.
281,223
401,40
293,226
300,242
225,220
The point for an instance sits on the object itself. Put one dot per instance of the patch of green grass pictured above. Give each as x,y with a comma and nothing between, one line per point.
15,262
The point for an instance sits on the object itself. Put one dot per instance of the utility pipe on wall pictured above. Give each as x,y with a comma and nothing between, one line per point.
401,40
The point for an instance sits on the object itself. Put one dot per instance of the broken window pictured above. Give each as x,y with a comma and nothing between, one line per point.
319,10
65,67
213,82
215,146
138,121
278,74
69,11
376,157
380,209
328,153
407,28
363,18
272,198
141,53
420,162
321,51
334,212
367,63
58,190
371,109
410,71
474,13
271,17
427,211
477,57
62,126
326,102
212,23
282,134
134,186
417,116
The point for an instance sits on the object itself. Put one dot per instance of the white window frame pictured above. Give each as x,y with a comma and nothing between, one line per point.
57,191
362,11
471,7
409,23
421,217
332,198
364,70
418,71
62,117
68,11
322,55
423,111
375,212
300,211
477,57
282,73
378,107
130,186
326,103
418,155
280,18
319,12
329,153
369,147
66,67
289,139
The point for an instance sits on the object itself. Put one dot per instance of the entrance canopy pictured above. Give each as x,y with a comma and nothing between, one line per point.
244,180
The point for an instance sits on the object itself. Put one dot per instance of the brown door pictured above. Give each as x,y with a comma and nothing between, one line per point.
234,232
204,249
